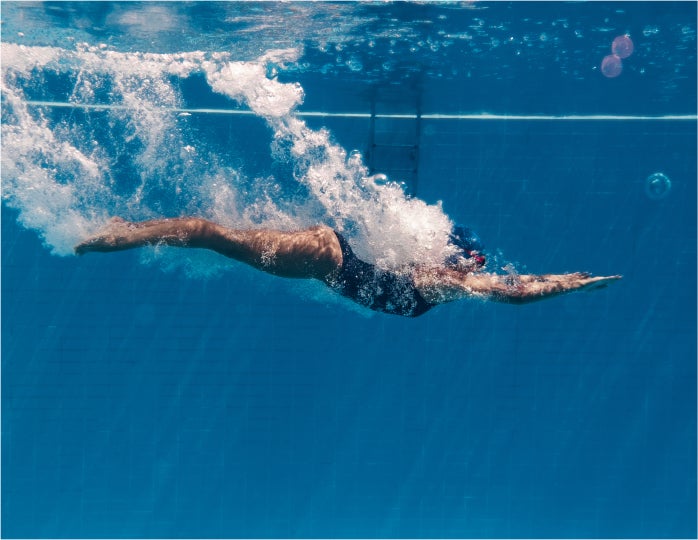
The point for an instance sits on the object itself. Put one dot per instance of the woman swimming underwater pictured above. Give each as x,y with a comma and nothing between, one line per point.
322,253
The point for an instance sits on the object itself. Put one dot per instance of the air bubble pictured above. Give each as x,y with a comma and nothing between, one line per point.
354,63
611,66
657,186
622,46
379,179
355,158
272,70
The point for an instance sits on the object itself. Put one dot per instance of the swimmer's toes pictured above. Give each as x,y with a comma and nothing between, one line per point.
91,244
108,238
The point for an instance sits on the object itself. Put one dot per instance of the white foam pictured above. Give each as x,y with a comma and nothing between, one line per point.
34,158
60,175
247,82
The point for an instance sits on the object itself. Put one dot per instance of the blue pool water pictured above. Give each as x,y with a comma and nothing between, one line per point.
175,393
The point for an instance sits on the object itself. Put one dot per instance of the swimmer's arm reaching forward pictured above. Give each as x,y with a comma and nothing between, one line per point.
442,285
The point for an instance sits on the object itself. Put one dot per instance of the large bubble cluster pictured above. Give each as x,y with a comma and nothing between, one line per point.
66,178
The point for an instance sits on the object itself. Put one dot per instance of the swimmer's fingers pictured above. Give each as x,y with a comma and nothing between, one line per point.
586,282
575,281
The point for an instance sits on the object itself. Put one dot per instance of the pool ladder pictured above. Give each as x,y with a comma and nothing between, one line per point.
394,143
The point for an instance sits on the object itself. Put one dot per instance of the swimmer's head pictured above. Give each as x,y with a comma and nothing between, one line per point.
470,249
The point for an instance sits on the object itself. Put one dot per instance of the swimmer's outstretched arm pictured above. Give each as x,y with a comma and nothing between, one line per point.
310,253
444,285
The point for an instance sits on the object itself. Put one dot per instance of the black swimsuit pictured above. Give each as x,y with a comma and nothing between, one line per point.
374,288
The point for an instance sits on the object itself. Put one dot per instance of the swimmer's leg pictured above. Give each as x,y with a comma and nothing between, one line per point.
310,253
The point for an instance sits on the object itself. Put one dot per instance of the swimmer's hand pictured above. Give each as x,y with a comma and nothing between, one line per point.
522,289
444,285
588,282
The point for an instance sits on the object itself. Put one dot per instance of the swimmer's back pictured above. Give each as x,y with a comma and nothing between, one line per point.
376,289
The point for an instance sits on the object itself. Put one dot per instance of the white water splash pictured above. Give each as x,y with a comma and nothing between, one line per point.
66,176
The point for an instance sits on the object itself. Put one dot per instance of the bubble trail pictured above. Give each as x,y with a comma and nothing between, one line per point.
140,159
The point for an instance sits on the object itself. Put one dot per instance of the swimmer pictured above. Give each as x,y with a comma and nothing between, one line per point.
323,254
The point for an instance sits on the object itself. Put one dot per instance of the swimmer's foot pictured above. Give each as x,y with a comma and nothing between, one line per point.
115,236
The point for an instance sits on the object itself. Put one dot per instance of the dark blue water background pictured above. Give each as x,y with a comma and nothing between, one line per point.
143,403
